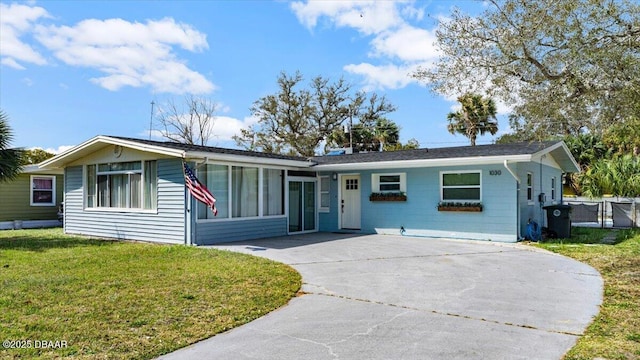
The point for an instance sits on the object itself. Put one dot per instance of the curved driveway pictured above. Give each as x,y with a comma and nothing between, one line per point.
393,297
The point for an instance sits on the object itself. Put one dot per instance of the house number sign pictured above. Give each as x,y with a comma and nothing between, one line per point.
495,172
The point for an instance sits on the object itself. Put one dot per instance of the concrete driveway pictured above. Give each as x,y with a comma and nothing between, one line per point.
393,297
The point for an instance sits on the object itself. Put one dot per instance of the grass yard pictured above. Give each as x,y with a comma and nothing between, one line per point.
125,300
615,332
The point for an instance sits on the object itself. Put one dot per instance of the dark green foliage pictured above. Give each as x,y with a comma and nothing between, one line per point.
10,159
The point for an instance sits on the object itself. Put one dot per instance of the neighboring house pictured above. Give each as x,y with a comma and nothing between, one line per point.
127,188
32,199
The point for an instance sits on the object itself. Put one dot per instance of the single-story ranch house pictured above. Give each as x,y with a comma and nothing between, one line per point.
126,188
32,199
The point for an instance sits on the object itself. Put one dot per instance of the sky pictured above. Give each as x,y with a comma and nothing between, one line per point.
71,70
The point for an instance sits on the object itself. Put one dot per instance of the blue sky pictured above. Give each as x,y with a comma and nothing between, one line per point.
71,70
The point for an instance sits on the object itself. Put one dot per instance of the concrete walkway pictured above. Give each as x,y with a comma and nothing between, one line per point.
393,297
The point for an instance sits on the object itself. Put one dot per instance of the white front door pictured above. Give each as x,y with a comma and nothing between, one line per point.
350,202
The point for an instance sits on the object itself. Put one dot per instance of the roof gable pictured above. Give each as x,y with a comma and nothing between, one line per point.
171,149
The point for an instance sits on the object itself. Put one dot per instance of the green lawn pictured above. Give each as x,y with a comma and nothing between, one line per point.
615,332
112,299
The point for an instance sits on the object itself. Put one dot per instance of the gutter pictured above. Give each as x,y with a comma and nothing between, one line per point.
506,165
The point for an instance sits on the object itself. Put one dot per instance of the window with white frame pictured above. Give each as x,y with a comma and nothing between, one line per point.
553,189
530,187
389,183
245,188
272,192
43,190
123,185
325,191
462,186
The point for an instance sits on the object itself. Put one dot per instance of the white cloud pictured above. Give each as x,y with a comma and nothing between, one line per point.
226,127
388,76
400,46
368,17
406,43
58,150
16,21
130,53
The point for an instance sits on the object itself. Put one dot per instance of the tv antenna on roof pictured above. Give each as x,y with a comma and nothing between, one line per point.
151,119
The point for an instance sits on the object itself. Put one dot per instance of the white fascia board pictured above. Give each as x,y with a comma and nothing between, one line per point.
256,160
84,149
568,164
36,169
399,164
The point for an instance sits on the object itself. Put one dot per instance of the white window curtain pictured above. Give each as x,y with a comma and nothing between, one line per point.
150,184
272,192
135,191
91,186
118,190
245,191
216,179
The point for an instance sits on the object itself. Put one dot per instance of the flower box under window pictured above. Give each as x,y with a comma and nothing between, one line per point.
388,197
465,207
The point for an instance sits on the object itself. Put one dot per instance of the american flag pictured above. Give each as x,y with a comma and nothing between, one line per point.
198,190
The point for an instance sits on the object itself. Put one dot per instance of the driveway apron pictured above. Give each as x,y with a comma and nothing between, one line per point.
394,297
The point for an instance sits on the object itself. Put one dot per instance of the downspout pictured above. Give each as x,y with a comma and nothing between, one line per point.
542,217
506,166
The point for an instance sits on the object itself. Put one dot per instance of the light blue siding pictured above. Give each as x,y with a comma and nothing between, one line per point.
541,183
166,225
215,232
419,214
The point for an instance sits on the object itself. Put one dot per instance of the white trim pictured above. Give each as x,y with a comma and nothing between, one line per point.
247,159
143,177
531,201
515,176
479,186
398,164
77,152
53,190
29,224
230,166
324,209
375,182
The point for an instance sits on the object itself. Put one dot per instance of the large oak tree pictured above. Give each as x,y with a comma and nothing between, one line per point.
297,119
565,66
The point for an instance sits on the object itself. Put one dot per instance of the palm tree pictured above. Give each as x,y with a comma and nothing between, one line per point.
618,176
478,115
10,159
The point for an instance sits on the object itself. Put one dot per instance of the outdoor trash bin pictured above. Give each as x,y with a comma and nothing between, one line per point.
558,220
